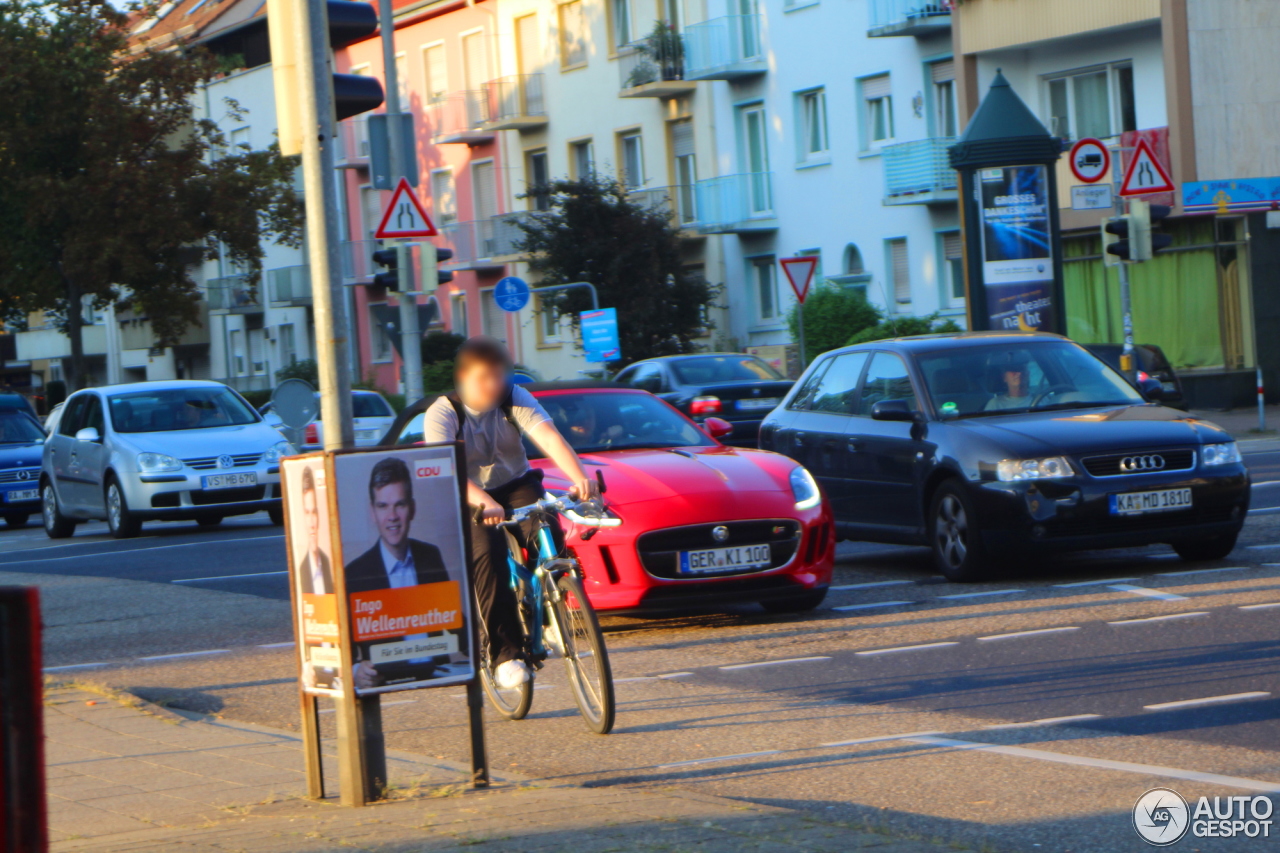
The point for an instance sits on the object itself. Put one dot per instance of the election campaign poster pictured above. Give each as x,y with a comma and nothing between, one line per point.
1017,247
309,540
404,567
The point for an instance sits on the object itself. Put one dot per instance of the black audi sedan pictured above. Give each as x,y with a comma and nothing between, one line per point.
988,445
733,386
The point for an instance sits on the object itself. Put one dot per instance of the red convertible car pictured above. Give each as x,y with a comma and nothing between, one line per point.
702,524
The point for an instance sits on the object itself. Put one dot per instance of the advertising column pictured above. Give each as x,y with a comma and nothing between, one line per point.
1017,248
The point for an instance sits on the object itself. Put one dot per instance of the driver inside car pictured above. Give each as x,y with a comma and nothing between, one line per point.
1013,388
584,428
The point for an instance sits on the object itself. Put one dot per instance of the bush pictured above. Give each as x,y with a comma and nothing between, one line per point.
437,378
440,346
257,399
397,402
831,314
901,327
305,370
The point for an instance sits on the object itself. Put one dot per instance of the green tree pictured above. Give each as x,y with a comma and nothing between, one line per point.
901,327
595,232
438,351
111,188
305,369
831,313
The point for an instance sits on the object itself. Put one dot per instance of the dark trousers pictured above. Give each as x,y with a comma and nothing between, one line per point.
493,576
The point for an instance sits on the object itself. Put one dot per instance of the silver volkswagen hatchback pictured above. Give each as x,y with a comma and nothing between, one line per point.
167,450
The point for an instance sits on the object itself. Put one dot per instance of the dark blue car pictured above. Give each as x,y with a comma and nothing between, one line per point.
21,443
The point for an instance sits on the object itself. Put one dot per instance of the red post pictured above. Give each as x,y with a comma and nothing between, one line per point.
23,827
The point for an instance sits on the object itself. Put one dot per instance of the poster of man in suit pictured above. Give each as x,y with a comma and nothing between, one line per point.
310,547
404,567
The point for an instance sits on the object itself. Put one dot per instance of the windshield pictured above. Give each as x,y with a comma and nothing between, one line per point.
710,369
975,381
618,421
369,406
170,409
17,428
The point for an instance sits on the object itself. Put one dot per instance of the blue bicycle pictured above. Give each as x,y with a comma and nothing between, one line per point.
556,617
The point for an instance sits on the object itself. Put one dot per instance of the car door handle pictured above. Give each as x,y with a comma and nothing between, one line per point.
854,445
798,439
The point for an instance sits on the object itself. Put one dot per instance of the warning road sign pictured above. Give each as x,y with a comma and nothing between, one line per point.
1145,175
405,216
799,272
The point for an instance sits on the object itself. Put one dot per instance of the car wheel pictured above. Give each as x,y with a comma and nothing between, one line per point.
56,525
954,536
209,520
1214,548
122,523
17,519
277,515
795,603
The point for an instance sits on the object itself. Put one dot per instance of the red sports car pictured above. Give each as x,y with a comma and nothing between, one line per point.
702,524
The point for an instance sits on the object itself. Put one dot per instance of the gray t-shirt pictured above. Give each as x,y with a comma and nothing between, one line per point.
495,454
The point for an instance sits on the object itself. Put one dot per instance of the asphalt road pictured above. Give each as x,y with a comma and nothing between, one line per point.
1029,710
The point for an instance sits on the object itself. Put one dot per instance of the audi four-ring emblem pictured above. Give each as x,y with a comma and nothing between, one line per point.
1133,464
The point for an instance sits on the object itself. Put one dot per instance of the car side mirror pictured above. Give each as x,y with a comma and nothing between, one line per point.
717,428
1151,389
88,434
892,410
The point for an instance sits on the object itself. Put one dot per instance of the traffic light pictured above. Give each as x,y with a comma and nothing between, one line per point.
389,258
1117,239
348,21
442,255
1155,214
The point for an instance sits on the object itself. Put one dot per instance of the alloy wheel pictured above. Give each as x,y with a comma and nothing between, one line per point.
113,506
49,508
952,531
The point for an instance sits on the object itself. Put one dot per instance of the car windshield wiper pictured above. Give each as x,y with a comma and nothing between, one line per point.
1080,404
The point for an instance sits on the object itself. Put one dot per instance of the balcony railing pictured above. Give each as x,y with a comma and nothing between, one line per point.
734,204
235,293
352,149
908,17
653,68
484,243
677,201
461,117
290,285
919,172
724,48
515,103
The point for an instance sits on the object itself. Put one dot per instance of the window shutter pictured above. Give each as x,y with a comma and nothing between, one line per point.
901,271
951,245
943,71
682,138
484,192
495,319
876,87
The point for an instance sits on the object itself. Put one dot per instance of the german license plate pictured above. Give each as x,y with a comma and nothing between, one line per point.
23,495
1162,500
229,481
729,559
755,404
364,434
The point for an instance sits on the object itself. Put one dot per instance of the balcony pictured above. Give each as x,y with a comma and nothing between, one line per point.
50,342
484,243
515,103
357,260
726,48
234,294
677,202
461,117
290,286
909,17
653,68
351,150
735,204
136,332
919,172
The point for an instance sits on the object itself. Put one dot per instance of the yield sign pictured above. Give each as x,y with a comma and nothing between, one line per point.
799,272
1145,174
405,216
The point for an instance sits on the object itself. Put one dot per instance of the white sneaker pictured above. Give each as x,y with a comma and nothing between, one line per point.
511,674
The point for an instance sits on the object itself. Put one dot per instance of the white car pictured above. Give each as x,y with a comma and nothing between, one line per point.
373,416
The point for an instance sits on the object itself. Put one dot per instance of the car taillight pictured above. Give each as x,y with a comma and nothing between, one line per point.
1143,376
312,435
705,406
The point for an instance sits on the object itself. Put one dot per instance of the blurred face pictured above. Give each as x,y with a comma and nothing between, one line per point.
583,423
1016,380
311,510
392,513
481,386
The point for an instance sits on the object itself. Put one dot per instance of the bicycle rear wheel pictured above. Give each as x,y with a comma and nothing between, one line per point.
585,654
510,704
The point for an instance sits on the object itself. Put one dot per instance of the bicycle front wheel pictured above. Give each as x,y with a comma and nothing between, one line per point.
585,654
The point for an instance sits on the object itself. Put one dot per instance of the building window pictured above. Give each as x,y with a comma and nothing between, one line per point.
433,307
686,163
443,198
952,268
814,144
942,76
548,322
370,209
620,13
583,155
899,269
240,140
765,284
402,80
458,321
537,176
877,100
379,343
237,353
287,345
435,73
493,320
632,157
1096,103
257,352
573,35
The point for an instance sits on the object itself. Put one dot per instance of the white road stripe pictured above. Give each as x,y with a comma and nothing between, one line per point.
897,649
1208,700
1262,547
1034,633
1104,764
876,739
4,563
188,654
228,577
675,675
1266,483
870,585
73,666
982,594
873,605
1266,510
718,758
1092,583
1149,593
775,662
1046,721
287,645
1160,618
1203,571
1266,606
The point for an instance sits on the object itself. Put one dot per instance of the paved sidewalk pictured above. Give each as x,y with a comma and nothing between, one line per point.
124,776
1243,423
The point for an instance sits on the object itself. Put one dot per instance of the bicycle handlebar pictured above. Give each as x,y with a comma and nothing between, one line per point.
569,508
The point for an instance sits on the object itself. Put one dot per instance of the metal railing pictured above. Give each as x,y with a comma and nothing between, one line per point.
290,284
484,239
518,96
722,43
730,199
901,13
677,201
651,61
233,292
459,114
921,166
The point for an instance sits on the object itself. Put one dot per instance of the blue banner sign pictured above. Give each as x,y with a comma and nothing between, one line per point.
1235,196
600,334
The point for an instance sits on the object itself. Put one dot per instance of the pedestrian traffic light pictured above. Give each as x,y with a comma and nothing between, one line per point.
1117,233
348,21
389,258
441,277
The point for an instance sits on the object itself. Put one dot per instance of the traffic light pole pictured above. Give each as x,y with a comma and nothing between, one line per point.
1122,270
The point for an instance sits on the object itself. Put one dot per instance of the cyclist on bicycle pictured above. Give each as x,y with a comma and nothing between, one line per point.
490,413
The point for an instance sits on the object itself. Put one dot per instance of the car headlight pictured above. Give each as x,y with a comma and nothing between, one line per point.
1224,453
805,488
158,463
1051,467
278,451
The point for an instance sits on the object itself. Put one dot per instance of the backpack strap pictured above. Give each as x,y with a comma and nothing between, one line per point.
456,402
508,409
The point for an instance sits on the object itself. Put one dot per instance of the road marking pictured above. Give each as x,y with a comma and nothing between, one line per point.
1266,483
675,675
776,662
287,645
73,666
1092,583
1160,618
1149,593
877,739
718,758
897,649
870,585
188,654
1208,700
1046,721
1268,605
872,605
228,577
134,550
982,594
1205,571
1034,633
1261,547
1104,764
1266,510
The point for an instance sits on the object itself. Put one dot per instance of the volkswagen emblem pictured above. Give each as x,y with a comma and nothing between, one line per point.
1134,464
225,461
720,533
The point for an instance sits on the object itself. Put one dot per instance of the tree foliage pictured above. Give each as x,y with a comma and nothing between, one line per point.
111,187
595,232
831,314
901,327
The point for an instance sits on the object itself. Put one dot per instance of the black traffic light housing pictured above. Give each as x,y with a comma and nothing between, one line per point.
1158,213
1119,227
351,21
442,255
389,258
